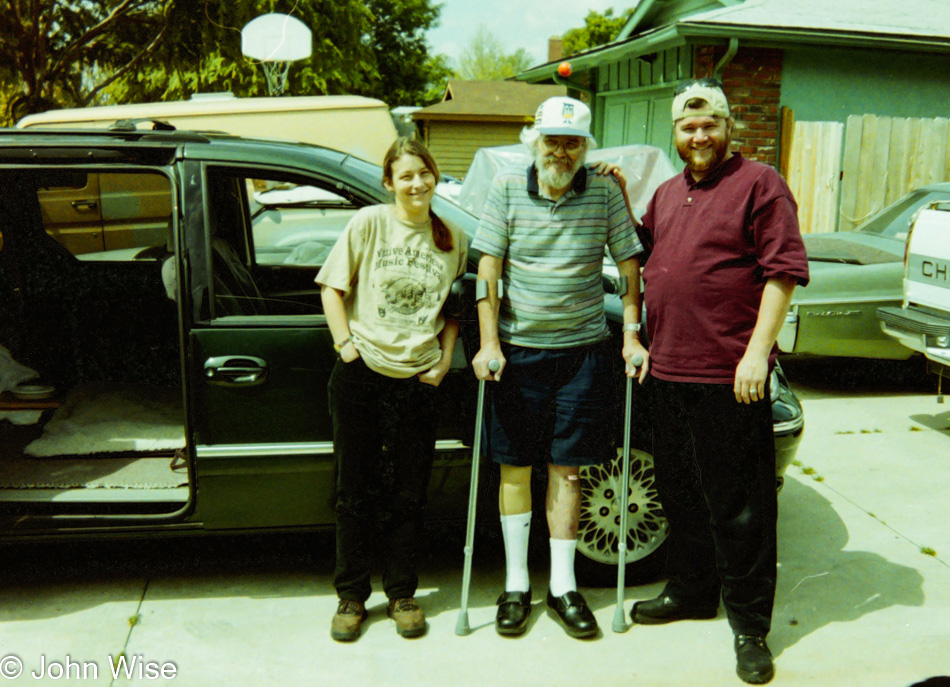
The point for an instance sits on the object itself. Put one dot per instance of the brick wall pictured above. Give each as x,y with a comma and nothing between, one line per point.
752,83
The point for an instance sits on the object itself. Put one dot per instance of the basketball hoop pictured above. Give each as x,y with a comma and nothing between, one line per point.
276,75
276,40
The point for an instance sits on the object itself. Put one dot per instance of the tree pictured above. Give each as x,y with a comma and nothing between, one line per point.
62,54
372,47
55,53
202,51
485,59
405,71
598,29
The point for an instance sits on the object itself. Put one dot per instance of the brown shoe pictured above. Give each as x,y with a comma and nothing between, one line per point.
347,621
410,620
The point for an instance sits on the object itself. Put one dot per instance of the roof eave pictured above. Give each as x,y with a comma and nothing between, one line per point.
750,36
662,39
633,22
781,37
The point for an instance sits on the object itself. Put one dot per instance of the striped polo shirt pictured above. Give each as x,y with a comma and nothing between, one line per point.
553,255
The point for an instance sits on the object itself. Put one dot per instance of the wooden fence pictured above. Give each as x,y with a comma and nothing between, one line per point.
883,158
814,174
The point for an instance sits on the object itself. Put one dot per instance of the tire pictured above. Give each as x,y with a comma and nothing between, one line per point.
597,536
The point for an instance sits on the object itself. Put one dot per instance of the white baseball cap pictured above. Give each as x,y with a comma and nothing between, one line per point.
702,97
563,117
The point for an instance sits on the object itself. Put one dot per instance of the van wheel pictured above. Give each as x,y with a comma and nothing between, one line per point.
598,532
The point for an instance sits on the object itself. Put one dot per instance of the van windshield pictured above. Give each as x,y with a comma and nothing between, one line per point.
298,196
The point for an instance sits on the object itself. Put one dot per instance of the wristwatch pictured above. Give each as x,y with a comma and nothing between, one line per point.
339,346
633,327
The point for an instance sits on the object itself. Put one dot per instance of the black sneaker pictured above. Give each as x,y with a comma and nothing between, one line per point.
514,609
753,660
665,609
571,613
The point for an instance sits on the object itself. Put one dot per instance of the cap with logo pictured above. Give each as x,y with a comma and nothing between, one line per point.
563,117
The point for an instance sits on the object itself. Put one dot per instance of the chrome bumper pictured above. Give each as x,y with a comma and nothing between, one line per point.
922,332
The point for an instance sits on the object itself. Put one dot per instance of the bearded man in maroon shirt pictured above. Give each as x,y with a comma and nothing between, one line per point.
725,255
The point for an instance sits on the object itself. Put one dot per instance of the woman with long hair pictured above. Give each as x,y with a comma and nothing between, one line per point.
383,288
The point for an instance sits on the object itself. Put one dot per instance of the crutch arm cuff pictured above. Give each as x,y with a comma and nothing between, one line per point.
481,289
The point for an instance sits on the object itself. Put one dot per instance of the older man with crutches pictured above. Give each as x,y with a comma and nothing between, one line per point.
543,233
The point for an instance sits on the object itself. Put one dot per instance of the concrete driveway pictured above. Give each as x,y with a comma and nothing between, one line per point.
863,595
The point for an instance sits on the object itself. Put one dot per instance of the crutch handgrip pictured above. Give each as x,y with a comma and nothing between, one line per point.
636,362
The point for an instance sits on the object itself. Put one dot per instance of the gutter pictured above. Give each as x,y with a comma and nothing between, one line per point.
661,39
685,32
727,58
782,37
561,81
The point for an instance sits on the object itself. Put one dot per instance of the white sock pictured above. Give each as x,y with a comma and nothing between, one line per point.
515,530
562,566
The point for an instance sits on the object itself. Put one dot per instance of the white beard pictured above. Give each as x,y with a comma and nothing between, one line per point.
549,175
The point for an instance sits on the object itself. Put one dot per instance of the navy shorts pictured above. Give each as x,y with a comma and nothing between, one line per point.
552,405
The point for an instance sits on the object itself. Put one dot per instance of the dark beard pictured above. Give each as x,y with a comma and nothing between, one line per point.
703,163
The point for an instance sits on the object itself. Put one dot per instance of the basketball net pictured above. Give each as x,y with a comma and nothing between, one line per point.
275,71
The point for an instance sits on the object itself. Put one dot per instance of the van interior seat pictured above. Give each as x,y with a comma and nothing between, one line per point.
235,292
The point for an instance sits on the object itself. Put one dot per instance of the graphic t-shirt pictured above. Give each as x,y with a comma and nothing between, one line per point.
394,282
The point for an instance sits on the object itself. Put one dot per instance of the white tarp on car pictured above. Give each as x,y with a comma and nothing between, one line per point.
645,168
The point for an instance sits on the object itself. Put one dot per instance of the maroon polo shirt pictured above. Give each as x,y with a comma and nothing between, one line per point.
714,245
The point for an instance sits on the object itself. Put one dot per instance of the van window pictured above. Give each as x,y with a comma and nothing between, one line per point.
105,215
296,224
268,234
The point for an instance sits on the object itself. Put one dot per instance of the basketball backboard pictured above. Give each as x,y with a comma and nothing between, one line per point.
276,37
276,40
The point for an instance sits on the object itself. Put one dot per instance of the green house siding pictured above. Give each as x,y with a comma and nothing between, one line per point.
634,97
640,119
662,67
829,85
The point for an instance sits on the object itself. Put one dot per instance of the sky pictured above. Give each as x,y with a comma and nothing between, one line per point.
516,23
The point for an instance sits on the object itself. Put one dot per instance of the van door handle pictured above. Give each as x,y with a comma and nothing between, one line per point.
84,205
235,370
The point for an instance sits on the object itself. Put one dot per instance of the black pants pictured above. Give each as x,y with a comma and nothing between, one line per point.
715,474
384,444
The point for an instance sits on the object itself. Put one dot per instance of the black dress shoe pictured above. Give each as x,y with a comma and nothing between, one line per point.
666,609
572,613
514,609
753,660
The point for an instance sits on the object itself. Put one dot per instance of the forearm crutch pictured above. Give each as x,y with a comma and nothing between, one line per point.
620,623
461,626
